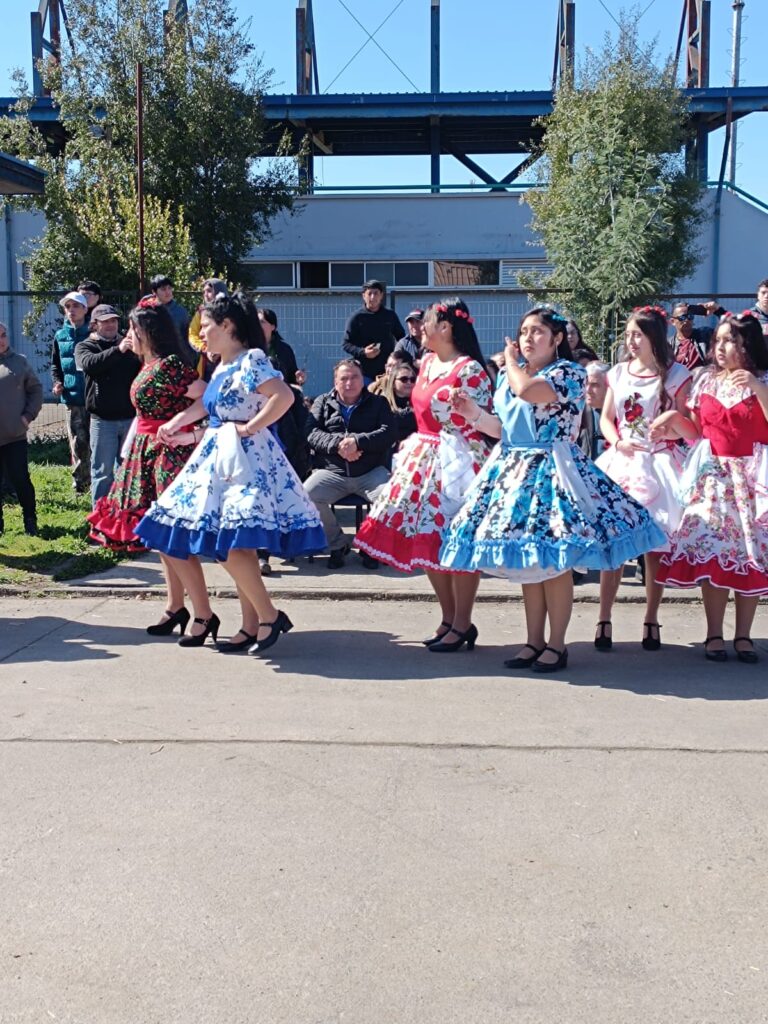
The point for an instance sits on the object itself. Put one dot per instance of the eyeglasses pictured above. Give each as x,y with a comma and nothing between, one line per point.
683,317
405,380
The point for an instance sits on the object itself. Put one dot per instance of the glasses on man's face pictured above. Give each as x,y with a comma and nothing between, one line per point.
683,317
405,380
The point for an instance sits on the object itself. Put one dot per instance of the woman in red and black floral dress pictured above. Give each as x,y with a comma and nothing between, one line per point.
432,470
167,384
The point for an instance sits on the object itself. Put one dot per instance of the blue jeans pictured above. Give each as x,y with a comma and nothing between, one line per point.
107,438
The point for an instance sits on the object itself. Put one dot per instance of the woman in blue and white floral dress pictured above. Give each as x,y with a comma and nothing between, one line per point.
539,508
238,492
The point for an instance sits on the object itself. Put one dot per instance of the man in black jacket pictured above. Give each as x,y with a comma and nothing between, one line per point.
109,365
372,331
352,433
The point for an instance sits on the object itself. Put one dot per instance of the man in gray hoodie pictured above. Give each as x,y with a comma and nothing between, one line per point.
21,399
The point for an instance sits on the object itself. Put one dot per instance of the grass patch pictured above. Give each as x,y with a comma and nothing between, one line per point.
61,550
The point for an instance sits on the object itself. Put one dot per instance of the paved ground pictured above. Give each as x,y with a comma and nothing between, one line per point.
358,831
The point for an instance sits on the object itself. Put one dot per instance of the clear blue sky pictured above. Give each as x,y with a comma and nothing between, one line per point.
499,45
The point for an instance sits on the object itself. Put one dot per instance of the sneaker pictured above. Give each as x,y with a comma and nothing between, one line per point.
336,559
368,562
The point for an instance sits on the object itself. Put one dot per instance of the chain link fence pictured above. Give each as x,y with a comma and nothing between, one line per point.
311,322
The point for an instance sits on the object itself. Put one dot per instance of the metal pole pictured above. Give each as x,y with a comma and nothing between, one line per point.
140,171
738,7
435,46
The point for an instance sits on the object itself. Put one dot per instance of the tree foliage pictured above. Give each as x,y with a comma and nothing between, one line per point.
619,210
207,199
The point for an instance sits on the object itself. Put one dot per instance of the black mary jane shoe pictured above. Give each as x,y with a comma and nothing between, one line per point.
747,657
198,639
719,655
428,641
603,642
524,662
232,646
281,625
552,666
649,641
469,637
178,618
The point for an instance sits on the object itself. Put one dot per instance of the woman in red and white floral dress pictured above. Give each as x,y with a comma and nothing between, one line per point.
432,470
645,390
722,540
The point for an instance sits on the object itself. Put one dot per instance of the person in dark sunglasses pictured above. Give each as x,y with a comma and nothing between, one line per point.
397,388
690,343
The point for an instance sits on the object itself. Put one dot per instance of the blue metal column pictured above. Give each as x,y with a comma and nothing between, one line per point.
434,82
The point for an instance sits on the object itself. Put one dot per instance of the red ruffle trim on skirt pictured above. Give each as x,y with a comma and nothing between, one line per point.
114,528
682,573
404,553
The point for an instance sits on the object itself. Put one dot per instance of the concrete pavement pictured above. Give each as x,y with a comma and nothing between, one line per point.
355,830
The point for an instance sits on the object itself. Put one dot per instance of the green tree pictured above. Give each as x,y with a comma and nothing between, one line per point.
208,198
617,209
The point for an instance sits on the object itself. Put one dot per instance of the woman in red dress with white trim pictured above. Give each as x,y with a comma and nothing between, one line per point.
722,540
432,470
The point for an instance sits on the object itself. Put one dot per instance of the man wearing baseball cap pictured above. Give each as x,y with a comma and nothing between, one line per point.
411,343
69,385
109,365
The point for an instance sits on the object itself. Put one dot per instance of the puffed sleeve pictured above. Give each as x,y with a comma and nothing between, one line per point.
473,379
700,382
569,381
256,370
178,376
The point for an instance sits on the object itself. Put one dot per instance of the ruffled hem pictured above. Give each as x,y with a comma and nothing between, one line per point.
403,553
681,573
180,542
115,529
508,557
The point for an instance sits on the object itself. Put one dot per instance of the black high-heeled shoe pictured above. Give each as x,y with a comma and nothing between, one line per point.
524,662
438,636
649,641
469,637
178,618
198,639
747,657
281,625
603,642
552,666
232,646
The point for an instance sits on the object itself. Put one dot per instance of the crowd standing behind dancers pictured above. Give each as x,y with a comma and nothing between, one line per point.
449,508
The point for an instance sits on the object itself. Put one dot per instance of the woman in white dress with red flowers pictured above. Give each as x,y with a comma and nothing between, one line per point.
646,391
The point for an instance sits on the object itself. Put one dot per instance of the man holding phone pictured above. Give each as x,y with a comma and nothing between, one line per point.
371,332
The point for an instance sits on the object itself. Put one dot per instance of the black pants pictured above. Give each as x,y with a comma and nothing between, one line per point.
15,467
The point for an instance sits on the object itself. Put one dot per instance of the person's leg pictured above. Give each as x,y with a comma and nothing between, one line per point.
16,461
105,450
558,595
654,592
173,585
323,488
746,606
190,572
465,586
369,484
610,579
242,565
443,587
78,430
715,602
535,619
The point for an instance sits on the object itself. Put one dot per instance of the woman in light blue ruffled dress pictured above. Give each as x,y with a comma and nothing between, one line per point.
237,493
539,508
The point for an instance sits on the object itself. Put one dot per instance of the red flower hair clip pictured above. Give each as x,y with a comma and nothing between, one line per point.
441,308
651,309
464,316
747,312
149,302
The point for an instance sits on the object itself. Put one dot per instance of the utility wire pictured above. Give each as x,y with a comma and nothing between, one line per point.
610,13
371,39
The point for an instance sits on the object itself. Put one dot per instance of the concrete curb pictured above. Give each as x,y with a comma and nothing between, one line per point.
63,592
